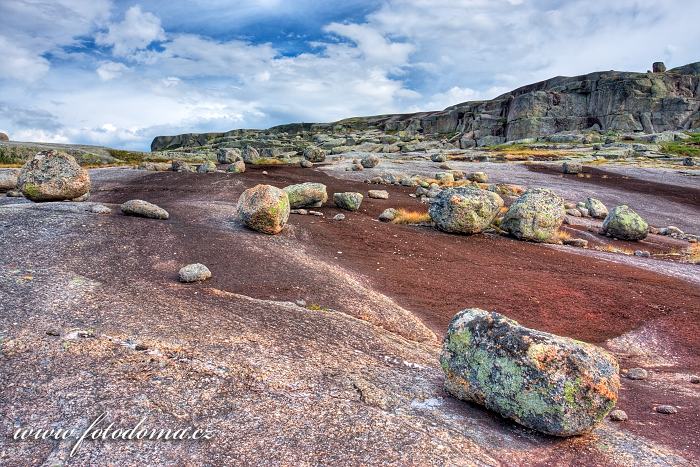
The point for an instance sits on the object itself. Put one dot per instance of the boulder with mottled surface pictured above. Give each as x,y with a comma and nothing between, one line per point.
53,176
624,223
535,216
466,210
306,195
264,208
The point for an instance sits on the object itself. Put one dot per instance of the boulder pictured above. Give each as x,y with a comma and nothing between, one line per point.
237,167
314,154
206,167
264,208
305,164
552,384
439,157
479,177
388,215
370,161
445,177
140,208
228,155
194,273
625,224
306,195
596,208
155,166
658,67
571,167
53,176
466,210
250,155
535,216
350,201
4,137
8,179
378,194
182,166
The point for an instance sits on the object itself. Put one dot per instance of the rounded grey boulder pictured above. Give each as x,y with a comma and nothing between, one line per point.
314,154
370,161
596,208
250,155
53,176
306,195
4,137
140,208
194,273
181,166
237,167
549,383
8,179
388,215
228,155
206,167
571,168
349,201
535,216
466,210
624,223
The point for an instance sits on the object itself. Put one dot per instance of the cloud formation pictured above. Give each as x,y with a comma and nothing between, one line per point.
118,73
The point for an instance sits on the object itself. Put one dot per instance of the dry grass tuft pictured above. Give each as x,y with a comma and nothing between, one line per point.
562,235
404,216
693,253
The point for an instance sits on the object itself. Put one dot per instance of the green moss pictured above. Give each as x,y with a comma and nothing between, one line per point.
31,190
571,388
459,341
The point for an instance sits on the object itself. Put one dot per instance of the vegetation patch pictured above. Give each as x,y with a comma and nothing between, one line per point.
404,216
686,148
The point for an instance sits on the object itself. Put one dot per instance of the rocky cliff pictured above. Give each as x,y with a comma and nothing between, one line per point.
601,101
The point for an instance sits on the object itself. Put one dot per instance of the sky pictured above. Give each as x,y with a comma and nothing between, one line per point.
118,73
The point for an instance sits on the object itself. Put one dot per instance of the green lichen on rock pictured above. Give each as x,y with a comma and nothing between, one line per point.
466,210
264,208
549,383
625,224
306,195
535,216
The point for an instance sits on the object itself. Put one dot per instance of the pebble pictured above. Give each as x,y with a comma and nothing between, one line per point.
264,172
666,409
315,213
100,209
339,217
642,253
140,347
618,415
302,212
695,379
637,373
194,273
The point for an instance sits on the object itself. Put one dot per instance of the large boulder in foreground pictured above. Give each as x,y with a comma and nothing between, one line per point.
536,216
624,223
549,383
264,208
53,176
306,195
466,210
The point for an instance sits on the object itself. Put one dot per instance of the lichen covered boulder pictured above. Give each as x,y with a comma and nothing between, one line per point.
369,161
624,223
228,155
349,201
466,210
206,167
314,154
306,195
264,208
196,272
535,216
237,167
181,166
53,176
549,383
250,155
596,208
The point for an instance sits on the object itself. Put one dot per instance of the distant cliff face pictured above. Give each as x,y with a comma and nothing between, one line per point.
619,101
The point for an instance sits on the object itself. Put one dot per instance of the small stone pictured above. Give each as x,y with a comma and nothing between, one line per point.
315,213
618,415
642,253
666,409
479,177
206,167
571,168
378,194
14,194
370,161
339,217
140,208
140,347
194,273
577,242
302,212
100,209
237,167
301,303
637,373
695,379
53,333
305,164
264,172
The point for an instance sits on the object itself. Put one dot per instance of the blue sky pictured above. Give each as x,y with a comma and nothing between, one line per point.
118,73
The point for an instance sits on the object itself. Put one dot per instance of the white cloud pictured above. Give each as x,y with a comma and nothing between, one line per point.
137,31
110,70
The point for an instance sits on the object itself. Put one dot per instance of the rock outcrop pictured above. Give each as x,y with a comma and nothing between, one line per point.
603,101
53,176
549,383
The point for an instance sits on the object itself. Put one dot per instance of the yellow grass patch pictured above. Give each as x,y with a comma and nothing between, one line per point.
404,216
693,253
614,249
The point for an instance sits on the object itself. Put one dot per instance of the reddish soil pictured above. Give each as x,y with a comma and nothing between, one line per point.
435,275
